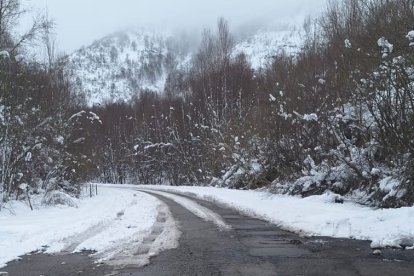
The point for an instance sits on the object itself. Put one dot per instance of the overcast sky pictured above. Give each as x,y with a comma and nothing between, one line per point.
80,22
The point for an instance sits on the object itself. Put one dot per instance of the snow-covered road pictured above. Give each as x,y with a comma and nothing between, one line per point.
124,225
128,225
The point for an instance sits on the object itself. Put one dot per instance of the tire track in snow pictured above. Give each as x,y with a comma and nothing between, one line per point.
195,208
136,252
133,251
74,241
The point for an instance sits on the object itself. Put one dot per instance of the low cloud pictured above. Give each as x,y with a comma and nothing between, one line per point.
79,22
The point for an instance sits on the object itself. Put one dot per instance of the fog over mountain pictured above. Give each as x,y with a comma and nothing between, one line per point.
118,49
80,22
118,67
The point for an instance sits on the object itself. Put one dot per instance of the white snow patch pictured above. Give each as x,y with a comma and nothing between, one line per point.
387,184
23,186
410,35
386,46
4,54
348,44
261,48
310,117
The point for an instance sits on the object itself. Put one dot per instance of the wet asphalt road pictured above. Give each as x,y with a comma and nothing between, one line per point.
252,247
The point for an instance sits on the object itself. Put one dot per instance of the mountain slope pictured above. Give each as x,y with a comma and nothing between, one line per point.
122,65
264,45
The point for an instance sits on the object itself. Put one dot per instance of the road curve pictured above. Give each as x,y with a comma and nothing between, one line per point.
250,247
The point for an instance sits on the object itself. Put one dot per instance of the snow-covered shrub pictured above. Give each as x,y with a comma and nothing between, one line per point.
59,198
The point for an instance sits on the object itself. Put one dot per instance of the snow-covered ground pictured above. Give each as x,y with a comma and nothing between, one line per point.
115,219
315,215
125,226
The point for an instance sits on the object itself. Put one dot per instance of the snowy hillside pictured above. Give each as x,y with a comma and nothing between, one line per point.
263,46
120,66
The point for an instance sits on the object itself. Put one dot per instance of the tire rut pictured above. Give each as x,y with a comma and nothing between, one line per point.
135,255
74,241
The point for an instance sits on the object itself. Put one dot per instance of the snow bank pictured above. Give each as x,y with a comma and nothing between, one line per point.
97,223
316,215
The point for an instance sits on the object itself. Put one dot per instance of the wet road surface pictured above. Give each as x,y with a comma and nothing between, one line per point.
251,247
